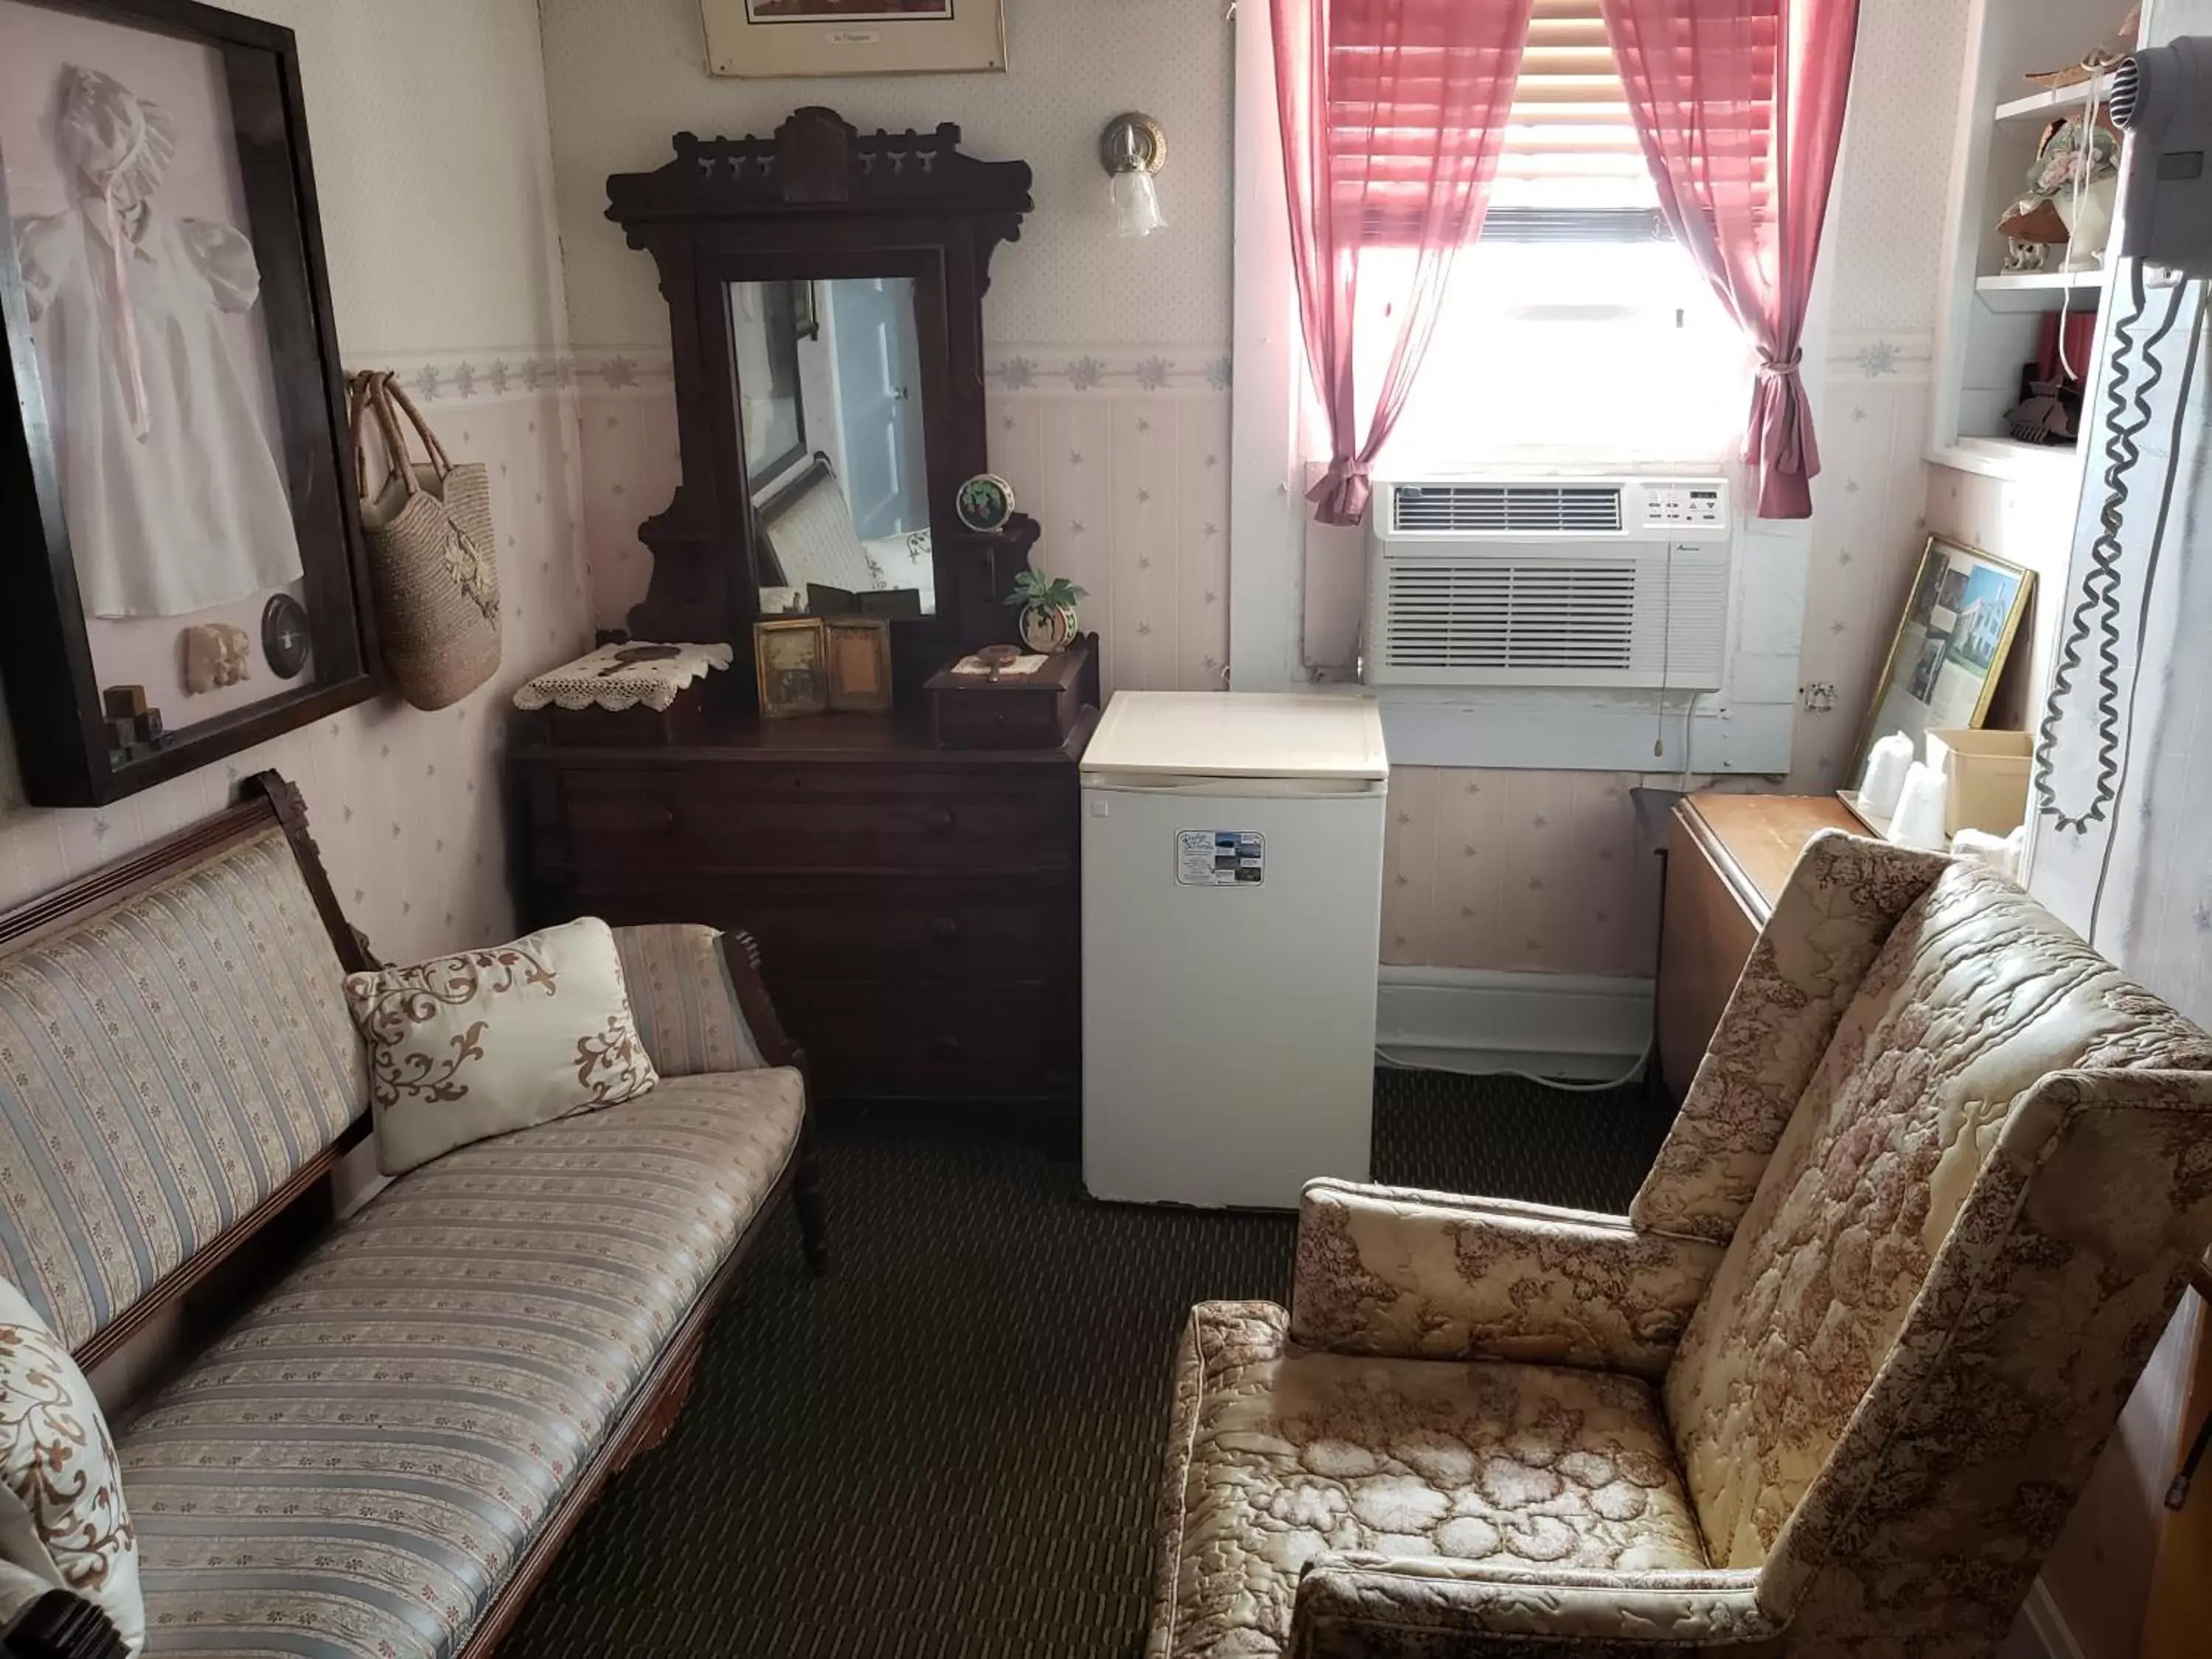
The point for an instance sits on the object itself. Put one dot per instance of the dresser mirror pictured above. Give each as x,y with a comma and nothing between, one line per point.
825,292
829,392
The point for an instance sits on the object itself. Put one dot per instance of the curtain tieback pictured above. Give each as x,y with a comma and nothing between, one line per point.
1769,369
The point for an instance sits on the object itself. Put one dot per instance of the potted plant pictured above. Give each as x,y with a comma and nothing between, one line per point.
1047,603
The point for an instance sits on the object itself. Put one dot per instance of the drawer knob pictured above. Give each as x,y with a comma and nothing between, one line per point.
943,929
945,1045
938,819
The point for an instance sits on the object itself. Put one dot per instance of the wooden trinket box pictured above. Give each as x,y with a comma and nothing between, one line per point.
1013,710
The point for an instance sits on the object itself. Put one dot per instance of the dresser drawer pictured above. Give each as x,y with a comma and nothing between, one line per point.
861,927
790,819
946,1040
859,931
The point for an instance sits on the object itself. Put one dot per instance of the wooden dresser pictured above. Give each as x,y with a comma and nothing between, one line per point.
1728,857
917,907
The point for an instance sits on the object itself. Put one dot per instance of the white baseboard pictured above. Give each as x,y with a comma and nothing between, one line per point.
2049,1624
1576,1027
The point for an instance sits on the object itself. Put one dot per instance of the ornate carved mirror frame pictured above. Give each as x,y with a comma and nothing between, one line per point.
821,200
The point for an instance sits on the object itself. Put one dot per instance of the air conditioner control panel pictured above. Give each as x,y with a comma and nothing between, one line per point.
1701,504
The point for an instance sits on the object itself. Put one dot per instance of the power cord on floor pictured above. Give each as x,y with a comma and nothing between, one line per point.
1621,1082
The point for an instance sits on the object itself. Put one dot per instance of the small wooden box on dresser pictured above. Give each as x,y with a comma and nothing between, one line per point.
918,909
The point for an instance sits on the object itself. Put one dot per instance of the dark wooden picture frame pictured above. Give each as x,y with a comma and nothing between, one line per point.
820,200
63,736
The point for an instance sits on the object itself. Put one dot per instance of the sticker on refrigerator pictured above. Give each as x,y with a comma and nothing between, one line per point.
1220,858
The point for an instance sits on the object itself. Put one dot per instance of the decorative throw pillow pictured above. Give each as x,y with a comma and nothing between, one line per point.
62,1516
478,1045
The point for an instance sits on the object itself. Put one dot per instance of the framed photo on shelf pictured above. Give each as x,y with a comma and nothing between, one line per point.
185,575
766,37
1950,648
860,664
791,658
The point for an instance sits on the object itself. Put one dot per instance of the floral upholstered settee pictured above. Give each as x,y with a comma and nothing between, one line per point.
378,1455
1829,1388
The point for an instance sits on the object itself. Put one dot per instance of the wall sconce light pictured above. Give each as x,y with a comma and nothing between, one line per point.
1132,149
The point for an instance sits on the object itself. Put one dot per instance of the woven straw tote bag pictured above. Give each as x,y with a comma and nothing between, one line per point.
431,572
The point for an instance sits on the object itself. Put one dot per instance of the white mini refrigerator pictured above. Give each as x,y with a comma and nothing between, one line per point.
1232,908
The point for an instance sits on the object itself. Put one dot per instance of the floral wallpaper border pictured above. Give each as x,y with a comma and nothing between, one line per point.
454,377
1190,370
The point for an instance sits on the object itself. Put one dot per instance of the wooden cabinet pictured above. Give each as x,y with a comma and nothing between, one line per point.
917,907
1728,858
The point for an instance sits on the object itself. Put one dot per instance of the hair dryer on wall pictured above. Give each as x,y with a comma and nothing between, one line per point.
2162,99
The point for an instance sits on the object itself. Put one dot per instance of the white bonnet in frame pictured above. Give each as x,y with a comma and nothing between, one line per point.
115,139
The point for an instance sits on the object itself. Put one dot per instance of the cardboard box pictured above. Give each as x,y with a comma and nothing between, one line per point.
1987,773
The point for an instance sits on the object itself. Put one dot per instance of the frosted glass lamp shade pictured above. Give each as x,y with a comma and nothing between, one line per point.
1136,204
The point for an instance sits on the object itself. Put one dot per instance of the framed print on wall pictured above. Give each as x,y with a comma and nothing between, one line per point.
184,575
1950,646
758,39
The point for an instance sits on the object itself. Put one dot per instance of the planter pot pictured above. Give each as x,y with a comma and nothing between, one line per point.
1048,629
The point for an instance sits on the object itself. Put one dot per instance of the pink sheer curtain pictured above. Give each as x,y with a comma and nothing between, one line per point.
1393,114
1740,106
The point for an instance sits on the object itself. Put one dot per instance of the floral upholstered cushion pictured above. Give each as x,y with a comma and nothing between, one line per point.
62,1516
354,1470
1280,1456
494,1041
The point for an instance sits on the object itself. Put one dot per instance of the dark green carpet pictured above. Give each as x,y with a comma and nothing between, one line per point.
949,1446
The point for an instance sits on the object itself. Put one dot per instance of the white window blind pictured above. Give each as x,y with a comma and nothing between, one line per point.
1572,168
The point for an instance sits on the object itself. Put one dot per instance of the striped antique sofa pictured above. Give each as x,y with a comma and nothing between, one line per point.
380,1455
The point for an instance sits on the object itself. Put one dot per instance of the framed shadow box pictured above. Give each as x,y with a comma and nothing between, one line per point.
185,574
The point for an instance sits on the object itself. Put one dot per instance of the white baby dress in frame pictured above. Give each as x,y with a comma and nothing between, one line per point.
173,498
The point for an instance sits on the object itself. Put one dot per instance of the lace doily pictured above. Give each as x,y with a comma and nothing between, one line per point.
604,680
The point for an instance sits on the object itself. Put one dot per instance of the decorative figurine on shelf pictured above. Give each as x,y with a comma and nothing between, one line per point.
217,655
1047,603
2071,193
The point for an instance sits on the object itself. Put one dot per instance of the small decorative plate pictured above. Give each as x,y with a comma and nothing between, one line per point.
985,502
284,638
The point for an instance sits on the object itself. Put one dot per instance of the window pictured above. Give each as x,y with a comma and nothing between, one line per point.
1575,329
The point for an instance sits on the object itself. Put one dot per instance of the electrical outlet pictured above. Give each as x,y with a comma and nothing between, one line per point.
1820,696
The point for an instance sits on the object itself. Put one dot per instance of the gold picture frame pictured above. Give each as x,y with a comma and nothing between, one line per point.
756,40
791,664
860,649
1949,652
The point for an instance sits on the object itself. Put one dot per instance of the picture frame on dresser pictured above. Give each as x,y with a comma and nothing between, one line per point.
174,462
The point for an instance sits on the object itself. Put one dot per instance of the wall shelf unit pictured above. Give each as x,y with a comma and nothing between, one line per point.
2056,101
1988,319
2041,290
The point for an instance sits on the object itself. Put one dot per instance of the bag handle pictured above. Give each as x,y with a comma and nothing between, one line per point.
376,392
440,461
360,389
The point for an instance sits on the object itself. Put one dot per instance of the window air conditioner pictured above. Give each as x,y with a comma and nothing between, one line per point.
1603,582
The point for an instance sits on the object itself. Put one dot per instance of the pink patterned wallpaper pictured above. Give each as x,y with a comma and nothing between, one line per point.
1534,870
406,806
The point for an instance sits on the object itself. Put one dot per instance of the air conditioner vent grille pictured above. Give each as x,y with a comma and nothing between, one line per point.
1535,508
1499,615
